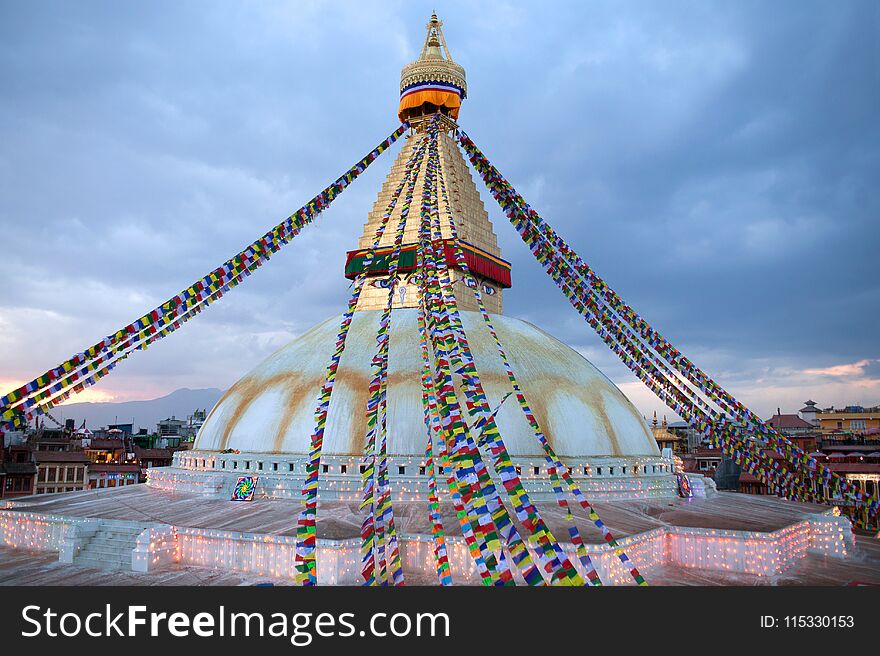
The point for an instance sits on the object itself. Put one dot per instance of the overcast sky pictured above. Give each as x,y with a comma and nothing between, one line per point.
717,163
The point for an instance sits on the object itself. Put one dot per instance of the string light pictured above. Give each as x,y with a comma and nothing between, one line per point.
608,478
739,552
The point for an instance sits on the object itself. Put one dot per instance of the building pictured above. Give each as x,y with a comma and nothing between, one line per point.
808,413
667,439
702,460
789,425
18,471
852,419
112,461
750,484
194,424
61,471
127,429
114,475
103,450
51,440
171,427
148,458
692,438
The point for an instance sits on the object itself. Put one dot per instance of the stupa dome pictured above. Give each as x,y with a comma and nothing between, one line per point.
271,409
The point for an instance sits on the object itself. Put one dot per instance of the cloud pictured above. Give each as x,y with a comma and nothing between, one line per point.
716,163
853,369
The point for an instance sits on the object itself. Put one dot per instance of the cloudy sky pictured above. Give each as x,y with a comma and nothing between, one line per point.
717,163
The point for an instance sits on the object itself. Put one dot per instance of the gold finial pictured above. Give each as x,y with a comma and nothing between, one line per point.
434,80
434,41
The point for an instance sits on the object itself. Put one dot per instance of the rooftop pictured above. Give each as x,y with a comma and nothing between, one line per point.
60,456
781,422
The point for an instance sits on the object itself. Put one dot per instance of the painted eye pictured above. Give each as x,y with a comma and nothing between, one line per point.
488,290
384,283
470,282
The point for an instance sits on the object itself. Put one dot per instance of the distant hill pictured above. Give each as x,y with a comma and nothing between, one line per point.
144,414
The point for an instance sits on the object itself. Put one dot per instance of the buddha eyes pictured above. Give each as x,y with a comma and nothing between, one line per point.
384,283
486,289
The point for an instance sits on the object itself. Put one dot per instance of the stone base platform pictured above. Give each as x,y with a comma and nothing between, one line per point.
723,537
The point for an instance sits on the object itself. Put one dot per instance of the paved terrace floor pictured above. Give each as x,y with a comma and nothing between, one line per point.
339,520
19,567
342,520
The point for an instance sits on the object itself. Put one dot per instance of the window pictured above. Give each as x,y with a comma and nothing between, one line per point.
422,470
68,474
857,424
599,471
401,470
235,464
363,469
274,466
79,474
325,468
247,464
536,470
624,469
518,470
586,471
222,464
289,466
343,469
260,466
611,471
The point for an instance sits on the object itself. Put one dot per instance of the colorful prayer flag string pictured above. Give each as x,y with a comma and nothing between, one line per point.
13,411
605,302
306,526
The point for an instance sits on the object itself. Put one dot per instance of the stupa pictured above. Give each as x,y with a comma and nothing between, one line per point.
262,429
266,418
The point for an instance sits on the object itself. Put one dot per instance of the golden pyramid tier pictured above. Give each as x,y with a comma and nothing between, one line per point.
471,222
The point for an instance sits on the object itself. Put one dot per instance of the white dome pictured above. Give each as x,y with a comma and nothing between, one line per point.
271,409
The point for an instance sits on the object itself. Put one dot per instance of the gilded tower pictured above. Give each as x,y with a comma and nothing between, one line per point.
433,84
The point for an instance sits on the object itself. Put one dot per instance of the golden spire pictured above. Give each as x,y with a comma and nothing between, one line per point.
431,85
434,82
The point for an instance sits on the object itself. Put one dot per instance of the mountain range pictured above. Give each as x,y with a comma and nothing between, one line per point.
143,414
